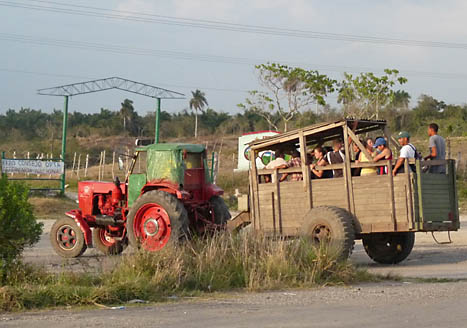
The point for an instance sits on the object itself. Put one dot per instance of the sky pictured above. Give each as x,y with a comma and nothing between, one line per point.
44,48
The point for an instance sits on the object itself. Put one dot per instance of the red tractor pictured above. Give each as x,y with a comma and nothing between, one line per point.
167,196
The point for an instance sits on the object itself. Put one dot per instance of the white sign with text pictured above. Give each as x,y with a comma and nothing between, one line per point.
31,166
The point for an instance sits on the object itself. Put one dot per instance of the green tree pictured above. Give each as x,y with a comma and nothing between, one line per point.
397,112
289,91
127,113
364,95
197,102
18,226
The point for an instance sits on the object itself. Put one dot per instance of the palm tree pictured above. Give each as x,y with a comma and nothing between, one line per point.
127,112
197,102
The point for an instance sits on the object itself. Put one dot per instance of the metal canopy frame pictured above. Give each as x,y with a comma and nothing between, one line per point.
110,83
118,83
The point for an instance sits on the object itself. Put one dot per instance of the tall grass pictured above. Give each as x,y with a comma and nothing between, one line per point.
218,263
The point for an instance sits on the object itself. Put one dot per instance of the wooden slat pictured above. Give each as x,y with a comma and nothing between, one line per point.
305,170
391,195
277,200
409,196
347,172
254,176
419,194
360,145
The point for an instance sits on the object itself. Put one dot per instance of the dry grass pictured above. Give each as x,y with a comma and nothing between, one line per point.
219,263
51,208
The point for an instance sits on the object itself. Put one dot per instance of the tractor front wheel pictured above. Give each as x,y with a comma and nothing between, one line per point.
67,239
389,247
107,244
156,219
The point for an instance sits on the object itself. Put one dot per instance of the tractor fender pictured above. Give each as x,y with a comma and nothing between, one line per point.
82,224
213,190
166,186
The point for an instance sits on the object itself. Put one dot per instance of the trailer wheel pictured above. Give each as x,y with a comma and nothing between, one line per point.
332,225
67,239
389,247
221,211
156,219
106,244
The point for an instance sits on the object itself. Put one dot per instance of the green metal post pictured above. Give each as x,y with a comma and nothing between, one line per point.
212,167
158,114
64,130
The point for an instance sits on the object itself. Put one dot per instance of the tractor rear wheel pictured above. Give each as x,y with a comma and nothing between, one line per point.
156,219
105,243
67,239
331,225
221,211
389,247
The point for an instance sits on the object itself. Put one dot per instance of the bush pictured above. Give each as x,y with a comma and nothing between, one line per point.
18,226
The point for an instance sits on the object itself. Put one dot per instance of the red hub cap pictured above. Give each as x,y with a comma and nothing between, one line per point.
66,237
152,227
106,240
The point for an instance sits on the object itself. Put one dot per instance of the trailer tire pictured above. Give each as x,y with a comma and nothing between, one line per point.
67,239
332,225
388,247
221,211
156,219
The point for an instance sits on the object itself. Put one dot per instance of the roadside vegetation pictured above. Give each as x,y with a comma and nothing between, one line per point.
218,263
18,226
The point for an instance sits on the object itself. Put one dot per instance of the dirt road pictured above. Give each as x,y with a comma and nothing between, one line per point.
383,305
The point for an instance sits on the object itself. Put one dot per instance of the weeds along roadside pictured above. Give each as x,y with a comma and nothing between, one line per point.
218,263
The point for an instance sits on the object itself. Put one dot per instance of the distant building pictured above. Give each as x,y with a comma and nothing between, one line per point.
243,150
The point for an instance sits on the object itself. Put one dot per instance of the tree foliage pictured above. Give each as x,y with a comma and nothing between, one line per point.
197,103
366,94
289,91
18,226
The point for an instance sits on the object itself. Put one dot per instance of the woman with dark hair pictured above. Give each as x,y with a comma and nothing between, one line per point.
320,161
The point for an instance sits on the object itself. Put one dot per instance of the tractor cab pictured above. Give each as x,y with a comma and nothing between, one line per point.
179,167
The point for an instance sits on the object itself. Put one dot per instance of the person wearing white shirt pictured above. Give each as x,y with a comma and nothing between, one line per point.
276,163
407,151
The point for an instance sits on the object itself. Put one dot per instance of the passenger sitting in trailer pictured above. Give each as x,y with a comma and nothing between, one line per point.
357,151
320,161
295,161
336,156
275,164
363,159
384,153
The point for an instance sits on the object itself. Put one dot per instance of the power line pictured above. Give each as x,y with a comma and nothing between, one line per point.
178,55
60,7
88,77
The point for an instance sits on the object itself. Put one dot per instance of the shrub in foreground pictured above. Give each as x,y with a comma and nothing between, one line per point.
18,226
217,263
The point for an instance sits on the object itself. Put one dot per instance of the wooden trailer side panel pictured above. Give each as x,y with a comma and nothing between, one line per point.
438,202
373,209
283,207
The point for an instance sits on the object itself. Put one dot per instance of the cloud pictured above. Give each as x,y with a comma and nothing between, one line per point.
279,10
136,6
